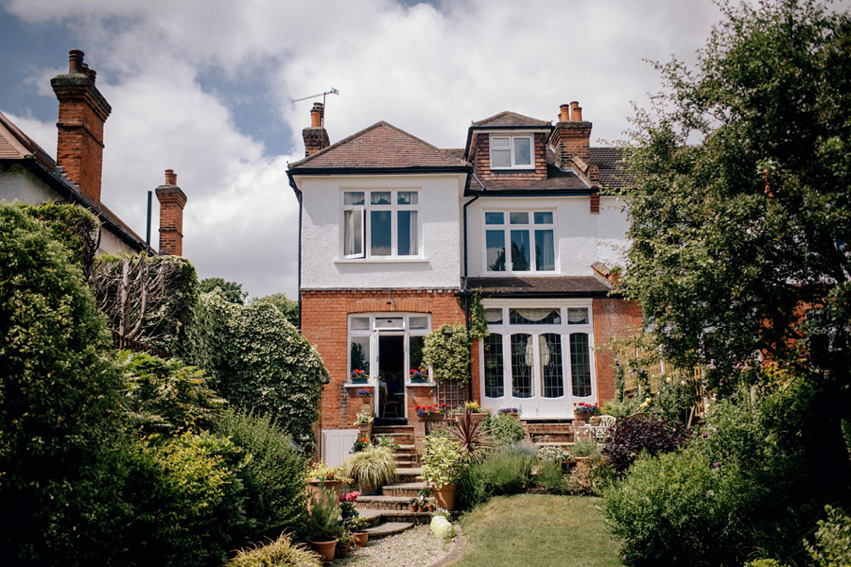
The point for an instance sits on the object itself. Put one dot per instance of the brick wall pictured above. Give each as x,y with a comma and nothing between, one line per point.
172,200
613,317
324,323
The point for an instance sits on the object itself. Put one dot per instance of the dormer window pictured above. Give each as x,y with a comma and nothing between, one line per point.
511,152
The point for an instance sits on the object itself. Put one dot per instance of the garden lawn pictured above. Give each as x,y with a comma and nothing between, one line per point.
540,530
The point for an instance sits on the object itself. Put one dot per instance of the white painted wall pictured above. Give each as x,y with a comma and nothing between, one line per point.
18,184
582,238
439,212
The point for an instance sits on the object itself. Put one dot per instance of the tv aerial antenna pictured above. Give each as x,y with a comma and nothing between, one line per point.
333,91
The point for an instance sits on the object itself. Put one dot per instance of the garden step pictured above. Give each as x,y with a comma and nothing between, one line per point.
390,528
374,516
409,489
552,438
405,474
555,443
383,502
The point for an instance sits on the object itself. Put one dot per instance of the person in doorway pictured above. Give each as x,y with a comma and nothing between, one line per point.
394,386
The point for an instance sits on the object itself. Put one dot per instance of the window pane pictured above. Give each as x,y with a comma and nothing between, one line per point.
522,151
580,364
577,316
360,323
416,345
536,316
494,218
359,356
545,256
520,250
353,198
380,226
499,142
549,346
543,218
418,323
353,232
379,197
500,158
519,218
406,198
496,250
493,366
389,323
493,316
522,359
407,238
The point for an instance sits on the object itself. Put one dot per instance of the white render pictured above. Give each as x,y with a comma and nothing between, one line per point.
19,185
439,262
582,238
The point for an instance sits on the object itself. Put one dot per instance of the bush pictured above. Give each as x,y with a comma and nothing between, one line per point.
189,499
505,472
554,454
504,429
272,475
442,462
550,478
258,361
373,467
585,448
636,433
278,553
61,437
324,520
833,539
165,396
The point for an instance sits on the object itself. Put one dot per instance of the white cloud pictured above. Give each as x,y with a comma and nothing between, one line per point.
427,70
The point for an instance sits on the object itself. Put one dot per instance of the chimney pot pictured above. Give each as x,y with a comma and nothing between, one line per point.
316,115
574,106
170,177
75,61
564,115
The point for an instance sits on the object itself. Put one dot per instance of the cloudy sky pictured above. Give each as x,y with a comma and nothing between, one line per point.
205,87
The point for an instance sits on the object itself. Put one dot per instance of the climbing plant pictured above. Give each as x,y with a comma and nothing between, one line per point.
447,351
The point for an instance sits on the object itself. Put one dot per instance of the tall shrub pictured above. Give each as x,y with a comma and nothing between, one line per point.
641,432
259,362
60,426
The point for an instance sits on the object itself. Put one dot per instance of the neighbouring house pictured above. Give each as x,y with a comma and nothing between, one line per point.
396,234
29,175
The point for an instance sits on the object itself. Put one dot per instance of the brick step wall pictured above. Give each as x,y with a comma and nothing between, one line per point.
406,489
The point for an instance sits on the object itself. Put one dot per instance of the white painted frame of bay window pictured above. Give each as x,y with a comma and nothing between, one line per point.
506,229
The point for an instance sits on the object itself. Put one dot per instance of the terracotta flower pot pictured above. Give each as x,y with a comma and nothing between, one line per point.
360,539
325,549
445,496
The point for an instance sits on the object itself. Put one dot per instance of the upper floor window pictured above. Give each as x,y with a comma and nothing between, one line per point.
511,152
380,224
520,241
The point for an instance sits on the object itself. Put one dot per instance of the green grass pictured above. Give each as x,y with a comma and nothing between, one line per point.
540,530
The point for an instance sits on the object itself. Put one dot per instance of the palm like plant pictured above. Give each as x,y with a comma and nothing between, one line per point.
470,436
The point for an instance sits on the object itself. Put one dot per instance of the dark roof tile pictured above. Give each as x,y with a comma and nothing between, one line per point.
614,173
547,285
512,119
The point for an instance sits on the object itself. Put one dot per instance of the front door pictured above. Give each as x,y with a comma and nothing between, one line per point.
391,372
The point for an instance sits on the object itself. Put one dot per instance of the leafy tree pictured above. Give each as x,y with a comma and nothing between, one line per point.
288,307
231,291
258,361
60,418
741,208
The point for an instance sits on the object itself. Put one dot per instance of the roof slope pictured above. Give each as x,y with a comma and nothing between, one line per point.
15,144
547,285
510,119
614,173
380,146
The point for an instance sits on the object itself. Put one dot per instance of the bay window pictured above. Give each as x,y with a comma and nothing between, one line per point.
381,224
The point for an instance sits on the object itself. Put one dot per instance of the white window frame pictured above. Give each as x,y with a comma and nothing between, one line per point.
512,152
366,224
373,333
506,227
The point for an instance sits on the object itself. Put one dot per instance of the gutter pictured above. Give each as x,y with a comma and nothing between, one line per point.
375,170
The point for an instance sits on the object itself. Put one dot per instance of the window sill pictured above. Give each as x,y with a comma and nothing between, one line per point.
367,385
420,385
381,261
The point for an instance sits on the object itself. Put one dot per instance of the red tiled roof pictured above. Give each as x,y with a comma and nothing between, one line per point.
382,145
507,118
548,285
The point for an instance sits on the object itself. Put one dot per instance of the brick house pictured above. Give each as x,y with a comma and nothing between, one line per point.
395,234
29,175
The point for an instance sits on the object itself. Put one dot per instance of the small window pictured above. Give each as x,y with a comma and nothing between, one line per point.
418,323
577,316
360,323
511,152
493,316
389,322
534,316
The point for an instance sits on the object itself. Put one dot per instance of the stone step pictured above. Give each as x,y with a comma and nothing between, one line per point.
405,474
374,516
406,448
389,528
552,438
409,489
393,429
383,502
565,444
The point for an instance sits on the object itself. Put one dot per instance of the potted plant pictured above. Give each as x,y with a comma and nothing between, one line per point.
323,525
364,422
357,526
431,413
418,375
442,465
371,468
476,410
583,411
319,475
358,377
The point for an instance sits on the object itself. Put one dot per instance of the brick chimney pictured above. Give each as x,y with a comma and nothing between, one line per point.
571,136
82,113
315,137
172,200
